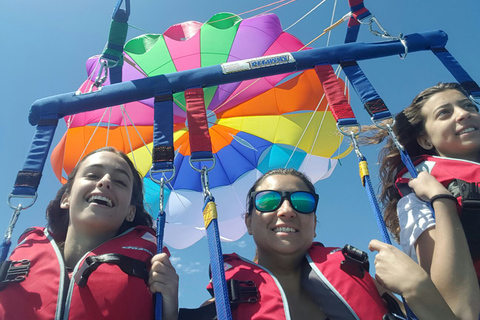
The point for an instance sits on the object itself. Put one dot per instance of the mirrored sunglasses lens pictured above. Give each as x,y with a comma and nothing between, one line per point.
303,202
267,201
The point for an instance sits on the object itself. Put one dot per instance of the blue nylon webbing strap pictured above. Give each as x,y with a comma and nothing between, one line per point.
374,204
4,249
28,178
358,10
457,71
163,153
162,161
160,231
222,300
364,89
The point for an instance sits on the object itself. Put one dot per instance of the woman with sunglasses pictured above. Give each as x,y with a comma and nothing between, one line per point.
296,278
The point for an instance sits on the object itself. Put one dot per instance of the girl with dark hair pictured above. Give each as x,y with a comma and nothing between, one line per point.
93,260
297,278
440,132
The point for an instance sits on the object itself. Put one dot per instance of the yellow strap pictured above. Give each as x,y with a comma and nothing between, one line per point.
209,213
363,167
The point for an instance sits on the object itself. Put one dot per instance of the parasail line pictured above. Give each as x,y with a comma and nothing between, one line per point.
128,136
305,15
279,6
330,28
331,21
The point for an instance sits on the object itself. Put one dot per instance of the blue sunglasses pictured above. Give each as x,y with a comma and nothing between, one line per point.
270,200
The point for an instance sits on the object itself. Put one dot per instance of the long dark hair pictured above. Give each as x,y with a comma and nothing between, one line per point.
409,125
58,218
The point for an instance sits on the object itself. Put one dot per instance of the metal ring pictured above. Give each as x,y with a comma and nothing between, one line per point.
20,206
377,123
151,172
349,134
198,160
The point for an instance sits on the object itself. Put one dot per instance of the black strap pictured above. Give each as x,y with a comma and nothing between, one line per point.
207,312
470,215
13,271
356,261
130,266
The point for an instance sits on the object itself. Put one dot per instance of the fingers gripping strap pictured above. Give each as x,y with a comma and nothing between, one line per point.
163,153
341,109
200,143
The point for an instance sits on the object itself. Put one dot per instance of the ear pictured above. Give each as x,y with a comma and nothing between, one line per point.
65,201
424,142
248,223
131,213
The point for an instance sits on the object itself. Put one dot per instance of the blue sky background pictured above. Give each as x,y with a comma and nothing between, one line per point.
45,44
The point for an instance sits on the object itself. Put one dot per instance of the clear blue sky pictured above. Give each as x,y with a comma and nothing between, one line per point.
44,46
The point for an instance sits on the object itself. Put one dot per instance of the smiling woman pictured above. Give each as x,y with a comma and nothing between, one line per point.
294,277
440,131
94,258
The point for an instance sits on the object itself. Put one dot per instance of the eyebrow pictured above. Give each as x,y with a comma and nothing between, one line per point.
449,104
118,170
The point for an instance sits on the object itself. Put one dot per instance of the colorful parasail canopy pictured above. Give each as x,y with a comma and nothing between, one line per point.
255,125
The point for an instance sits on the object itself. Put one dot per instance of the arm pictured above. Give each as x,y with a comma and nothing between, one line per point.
164,279
398,273
443,251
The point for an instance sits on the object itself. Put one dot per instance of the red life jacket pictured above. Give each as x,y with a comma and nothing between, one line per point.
340,294
47,292
462,178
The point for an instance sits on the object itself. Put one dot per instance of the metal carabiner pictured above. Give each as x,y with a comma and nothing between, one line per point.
205,183
371,20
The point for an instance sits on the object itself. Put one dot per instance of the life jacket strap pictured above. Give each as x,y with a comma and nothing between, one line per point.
130,266
13,271
242,291
356,261
470,214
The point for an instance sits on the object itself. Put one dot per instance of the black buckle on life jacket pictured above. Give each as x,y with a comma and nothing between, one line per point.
13,271
130,266
242,291
356,261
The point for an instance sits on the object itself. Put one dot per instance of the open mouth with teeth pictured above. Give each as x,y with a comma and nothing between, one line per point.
467,130
285,230
104,201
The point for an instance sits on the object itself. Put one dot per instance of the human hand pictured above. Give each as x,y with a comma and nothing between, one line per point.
164,279
426,186
394,270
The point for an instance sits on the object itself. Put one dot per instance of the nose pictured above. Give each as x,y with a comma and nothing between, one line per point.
286,210
105,182
462,114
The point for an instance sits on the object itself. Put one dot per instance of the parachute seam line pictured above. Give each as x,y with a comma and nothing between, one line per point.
331,22
238,93
306,128
254,165
305,15
124,111
108,125
91,136
122,107
180,104
127,59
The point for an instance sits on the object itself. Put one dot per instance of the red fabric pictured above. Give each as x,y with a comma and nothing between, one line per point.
109,293
339,105
360,294
197,120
